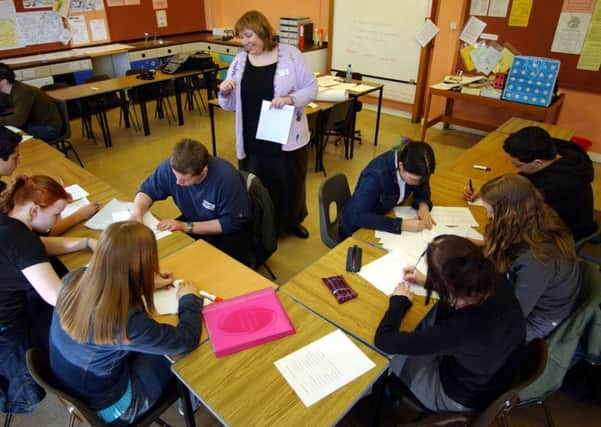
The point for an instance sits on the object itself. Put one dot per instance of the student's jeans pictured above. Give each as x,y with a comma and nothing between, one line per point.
42,131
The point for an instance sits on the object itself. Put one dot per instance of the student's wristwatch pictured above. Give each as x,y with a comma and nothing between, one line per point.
189,225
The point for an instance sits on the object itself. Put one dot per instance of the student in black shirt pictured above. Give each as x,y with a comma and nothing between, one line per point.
28,284
464,354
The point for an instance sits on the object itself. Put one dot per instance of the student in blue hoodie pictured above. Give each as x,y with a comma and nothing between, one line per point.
386,182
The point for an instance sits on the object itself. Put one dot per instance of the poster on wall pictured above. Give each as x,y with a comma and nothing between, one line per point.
498,8
39,27
86,5
159,4
98,30
62,7
79,30
520,13
9,37
132,2
570,32
37,4
161,18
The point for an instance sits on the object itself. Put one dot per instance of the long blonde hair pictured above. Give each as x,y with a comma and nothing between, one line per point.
95,305
521,217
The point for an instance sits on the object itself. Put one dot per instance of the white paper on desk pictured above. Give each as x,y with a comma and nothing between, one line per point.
322,367
472,30
405,212
362,88
445,215
76,192
117,210
74,206
332,95
274,123
445,86
165,300
426,33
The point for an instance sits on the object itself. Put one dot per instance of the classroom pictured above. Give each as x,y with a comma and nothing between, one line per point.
396,62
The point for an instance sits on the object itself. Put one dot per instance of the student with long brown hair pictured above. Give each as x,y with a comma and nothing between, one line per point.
28,284
104,346
527,240
464,354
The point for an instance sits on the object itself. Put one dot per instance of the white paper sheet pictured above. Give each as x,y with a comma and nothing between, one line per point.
76,192
498,8
570,32
472,30
165,300
322,367
445,215
274,123
74,206
405,212
479,7
79,30
426,33
39,27
117,210
332,95
98,29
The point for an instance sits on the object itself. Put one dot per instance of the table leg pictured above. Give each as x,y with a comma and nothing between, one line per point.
426,115
448,112
184,395
144,112
212,116
124,108
377,118
178,103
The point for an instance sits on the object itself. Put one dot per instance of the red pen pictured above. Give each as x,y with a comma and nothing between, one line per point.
209,296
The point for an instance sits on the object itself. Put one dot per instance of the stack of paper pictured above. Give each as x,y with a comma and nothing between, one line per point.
78,197
324,366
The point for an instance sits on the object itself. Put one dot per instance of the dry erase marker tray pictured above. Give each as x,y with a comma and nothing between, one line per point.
531,80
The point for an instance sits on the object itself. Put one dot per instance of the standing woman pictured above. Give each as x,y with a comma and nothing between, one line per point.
28,284
526,239
278,73
104,346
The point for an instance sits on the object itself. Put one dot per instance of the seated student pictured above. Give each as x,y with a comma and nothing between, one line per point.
32,110
104,346
29,286
464,354
385,183
526,239
210,194
560,170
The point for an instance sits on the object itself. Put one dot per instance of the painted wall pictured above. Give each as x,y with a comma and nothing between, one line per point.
224,14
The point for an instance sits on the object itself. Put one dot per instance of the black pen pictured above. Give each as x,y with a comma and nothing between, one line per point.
471,187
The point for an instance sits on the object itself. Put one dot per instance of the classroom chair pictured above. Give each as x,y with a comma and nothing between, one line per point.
334,190
62,143
194,85
74,109
533,362
264,235
582,327
331,120
38,364
158,92
358,104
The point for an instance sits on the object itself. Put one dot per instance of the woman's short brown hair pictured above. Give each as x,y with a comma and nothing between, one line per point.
257,22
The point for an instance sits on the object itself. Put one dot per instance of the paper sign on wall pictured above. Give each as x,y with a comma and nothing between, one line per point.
161,18
520,13
159,4
98,29
79,30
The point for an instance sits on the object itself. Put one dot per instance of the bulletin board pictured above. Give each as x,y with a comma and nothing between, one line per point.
536,40
128,20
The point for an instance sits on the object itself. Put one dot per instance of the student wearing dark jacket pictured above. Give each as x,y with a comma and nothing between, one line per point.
386,182
464,354
561,171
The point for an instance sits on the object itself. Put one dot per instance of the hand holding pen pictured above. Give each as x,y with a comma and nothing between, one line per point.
412,275
469,193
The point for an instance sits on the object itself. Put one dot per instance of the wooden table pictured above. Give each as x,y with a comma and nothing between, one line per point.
120,84
358,317
514,124
548,114
213,271
246,389
38,158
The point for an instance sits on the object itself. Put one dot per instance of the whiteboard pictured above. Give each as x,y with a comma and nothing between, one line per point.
378,38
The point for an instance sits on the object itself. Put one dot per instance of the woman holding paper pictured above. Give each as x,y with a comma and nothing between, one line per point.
29,285
104,346
526,239
278,73
464,354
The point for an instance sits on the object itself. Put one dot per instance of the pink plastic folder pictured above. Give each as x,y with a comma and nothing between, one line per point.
246,321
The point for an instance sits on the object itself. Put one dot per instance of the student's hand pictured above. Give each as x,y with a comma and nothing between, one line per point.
470,195
423,213
171,225
227,86
403,290
92,244
87,211
280,101
412,225
413,275
163,280
186,288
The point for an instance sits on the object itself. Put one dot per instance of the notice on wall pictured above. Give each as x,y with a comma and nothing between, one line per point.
131,2
9,37
479,7
114,3
498,8
98,30
37,4
86,5
570,32
427,33
79,30
39,27
62,7
159,4
472,30
520,13
578,6
161,18
590,55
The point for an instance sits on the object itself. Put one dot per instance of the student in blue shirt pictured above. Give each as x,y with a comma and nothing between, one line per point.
210,194
104,346
386,182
